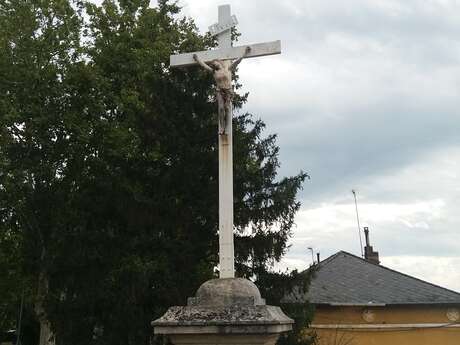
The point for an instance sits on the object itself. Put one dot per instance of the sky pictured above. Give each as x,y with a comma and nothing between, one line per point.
364,96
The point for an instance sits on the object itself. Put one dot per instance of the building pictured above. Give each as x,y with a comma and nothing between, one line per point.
359,302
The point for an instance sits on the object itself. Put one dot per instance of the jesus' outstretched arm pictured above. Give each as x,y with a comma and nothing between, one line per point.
237,61
201,63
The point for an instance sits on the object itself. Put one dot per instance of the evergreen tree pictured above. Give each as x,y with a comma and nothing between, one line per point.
108,176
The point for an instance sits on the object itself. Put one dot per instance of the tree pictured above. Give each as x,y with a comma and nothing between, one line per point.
108,181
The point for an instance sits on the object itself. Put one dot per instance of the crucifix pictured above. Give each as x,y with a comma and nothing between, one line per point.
221,62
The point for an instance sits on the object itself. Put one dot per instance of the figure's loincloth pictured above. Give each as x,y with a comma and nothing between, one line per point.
227,94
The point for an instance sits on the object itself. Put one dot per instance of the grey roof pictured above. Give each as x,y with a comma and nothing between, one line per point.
345,279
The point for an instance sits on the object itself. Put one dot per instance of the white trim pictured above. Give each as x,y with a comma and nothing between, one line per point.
386,326
369,304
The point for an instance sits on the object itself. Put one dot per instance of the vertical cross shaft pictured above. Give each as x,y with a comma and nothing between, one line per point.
226,248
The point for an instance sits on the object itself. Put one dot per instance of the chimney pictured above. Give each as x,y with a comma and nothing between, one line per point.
317,256
369,253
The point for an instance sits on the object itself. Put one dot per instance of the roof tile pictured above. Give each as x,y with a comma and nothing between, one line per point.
345,279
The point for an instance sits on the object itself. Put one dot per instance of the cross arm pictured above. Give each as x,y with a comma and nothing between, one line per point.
232,53
201,63
237,61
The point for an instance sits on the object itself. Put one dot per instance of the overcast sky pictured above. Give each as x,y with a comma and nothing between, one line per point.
364,96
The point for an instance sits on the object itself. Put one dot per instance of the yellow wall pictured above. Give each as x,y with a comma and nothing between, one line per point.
384,316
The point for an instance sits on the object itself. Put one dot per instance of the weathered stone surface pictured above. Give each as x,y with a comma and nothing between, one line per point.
222,306
237,315
225,292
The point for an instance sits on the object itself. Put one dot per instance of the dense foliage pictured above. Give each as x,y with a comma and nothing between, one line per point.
108,171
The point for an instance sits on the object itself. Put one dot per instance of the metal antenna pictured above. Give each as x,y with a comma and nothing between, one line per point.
359,226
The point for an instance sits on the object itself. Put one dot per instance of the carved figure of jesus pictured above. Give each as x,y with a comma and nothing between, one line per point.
222,72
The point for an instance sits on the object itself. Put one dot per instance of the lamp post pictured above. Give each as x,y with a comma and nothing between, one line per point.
312,255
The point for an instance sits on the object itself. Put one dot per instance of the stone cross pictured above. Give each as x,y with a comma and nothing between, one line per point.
219,62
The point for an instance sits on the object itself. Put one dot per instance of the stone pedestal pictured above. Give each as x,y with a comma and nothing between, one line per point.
225,311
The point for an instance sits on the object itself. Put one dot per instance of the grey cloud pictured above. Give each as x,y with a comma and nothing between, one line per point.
365,96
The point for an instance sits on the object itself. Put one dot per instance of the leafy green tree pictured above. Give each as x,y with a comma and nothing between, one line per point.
108,176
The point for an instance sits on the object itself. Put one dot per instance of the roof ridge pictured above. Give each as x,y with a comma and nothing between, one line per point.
321,263
394,271
330,258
